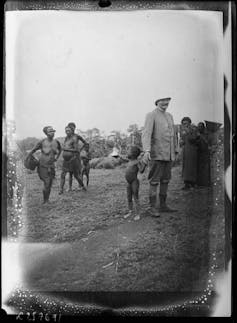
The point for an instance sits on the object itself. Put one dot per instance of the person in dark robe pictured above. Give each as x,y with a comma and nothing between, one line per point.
189,137
204,168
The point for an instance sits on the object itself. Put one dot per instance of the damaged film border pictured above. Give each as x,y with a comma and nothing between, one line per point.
52,305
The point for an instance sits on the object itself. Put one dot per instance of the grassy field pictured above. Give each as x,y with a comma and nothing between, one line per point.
85,244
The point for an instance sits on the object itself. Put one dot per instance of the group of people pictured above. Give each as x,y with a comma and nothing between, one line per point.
160,148
74,163
195,154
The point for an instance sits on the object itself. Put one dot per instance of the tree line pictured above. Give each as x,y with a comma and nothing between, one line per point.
100,144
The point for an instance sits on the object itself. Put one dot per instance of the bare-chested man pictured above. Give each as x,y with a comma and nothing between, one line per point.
77,162
50,152
70,160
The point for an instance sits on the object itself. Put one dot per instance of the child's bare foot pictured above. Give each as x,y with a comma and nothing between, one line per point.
128,214
137,217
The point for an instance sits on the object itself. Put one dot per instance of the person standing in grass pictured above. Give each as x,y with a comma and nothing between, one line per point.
70,160
204,164
159,142
189,138
50,152
85,158
77,165
134,165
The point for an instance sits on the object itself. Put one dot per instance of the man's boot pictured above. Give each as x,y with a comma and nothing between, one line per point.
163,207
153,209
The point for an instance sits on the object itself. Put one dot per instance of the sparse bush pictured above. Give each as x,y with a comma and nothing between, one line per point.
26,144
116,161
108,163
95,161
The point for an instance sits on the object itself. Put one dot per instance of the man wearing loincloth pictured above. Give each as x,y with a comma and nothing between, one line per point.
70,160
50,152
77,163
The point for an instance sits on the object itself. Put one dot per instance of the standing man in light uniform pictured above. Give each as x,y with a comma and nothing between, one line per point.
159,142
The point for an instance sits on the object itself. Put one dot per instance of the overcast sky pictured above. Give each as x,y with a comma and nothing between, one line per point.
106,69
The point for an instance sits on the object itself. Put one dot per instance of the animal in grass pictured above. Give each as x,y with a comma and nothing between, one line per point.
85,158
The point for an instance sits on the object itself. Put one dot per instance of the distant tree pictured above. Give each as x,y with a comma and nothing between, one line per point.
118,139
89,133
26,144
132,128
103,134
95,132
116,134
110,143
134,135
81,133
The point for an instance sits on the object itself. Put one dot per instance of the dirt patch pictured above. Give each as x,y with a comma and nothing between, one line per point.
103,251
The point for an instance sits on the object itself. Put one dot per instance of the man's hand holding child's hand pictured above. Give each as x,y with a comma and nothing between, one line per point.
146,157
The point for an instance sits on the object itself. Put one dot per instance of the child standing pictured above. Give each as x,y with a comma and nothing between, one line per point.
86,157
134,165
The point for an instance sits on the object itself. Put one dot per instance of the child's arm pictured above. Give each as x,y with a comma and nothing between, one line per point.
59,150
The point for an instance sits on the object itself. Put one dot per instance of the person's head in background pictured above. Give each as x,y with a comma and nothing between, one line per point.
133,152
201,127
186,122
86,147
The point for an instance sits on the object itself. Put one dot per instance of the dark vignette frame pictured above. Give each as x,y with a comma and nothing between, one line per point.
113,300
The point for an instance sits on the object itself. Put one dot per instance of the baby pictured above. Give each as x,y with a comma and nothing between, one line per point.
134,165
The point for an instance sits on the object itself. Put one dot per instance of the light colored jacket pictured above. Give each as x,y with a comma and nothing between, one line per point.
159,136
